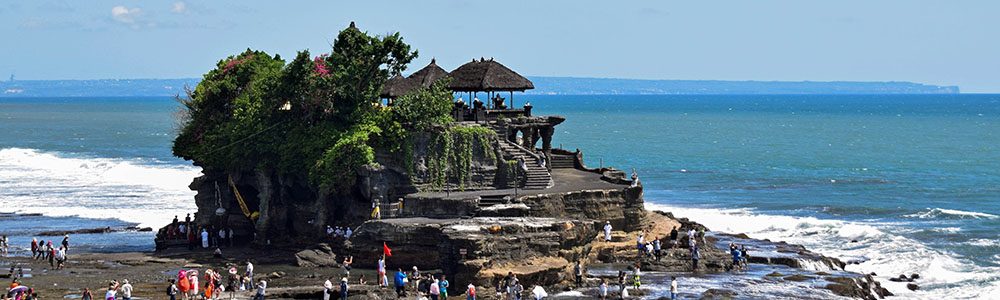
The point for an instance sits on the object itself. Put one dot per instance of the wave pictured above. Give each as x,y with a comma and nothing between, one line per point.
879,248
943,213
57,184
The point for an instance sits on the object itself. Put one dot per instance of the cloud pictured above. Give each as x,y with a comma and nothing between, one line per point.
179,7
125,15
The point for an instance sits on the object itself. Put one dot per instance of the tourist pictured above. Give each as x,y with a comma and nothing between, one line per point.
607,231
65,242
204,238
126,290
735,252
234,282
222,237
3,245
443,285
538,292
343,288
52,254
249,275
695,255
745,258
376,211
657,248
327,289
640,242
261,290
348,233
361,280
34,248
172,289
649,249
183,285
691,238
435,290
112,292
578,271
602,290
60,258
400,281
701,235
673,237
635,178
347,265
329,231
415,277
192,241
470,292
636,273
673,287
518,290
382,280
89,296
217,253
193,280
230,237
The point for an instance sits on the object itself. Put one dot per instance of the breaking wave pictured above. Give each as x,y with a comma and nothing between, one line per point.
932,213
55,184
868,246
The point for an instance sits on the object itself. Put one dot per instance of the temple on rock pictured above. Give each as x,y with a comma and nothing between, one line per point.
507,197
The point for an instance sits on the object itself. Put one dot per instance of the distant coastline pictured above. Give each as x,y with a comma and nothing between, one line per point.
548,86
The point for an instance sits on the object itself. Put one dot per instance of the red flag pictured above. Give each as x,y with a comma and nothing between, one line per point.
386,250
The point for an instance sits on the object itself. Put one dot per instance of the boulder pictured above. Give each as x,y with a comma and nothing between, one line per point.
719,294
912,286
320,256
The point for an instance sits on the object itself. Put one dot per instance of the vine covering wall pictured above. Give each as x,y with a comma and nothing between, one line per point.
454,153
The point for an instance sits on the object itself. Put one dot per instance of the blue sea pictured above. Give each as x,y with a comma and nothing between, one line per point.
895,184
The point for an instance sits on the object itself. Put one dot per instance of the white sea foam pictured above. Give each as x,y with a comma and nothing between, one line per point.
58,185
942,212
879,249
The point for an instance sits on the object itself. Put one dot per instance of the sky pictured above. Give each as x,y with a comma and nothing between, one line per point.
934,42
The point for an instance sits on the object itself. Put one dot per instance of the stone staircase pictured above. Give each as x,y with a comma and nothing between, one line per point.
560,161
491,200
538,177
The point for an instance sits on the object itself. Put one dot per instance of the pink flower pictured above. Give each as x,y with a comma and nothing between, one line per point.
320,62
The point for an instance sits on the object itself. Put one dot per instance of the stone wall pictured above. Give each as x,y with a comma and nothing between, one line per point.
623,208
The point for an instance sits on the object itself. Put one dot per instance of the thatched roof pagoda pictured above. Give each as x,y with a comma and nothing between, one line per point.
423,78
487,76
395,87
428,75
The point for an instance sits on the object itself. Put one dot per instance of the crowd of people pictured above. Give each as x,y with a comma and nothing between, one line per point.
46,251
201,236
216,285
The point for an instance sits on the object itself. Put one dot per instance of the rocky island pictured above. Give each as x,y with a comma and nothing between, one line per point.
466,188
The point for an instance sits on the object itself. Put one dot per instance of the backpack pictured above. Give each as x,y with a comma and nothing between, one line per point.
170,291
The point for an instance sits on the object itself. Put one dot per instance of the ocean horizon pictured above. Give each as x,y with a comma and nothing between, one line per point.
893,184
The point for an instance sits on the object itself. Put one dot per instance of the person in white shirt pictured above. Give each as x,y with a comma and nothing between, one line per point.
327,289
261,290
204,238
348,233
673,288
607,231
126,290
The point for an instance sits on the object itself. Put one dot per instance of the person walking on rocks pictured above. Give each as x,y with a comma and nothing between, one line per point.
65,242
126,290
443,285
578,271
435,290
343,288
382,280
172,289
204,238
640,243
470,292
602,290
261,290
87,295
400,281
607,231
327,289
691,238
636,280
34,248
249,275
673,287
673,237
621,284
695,256
347,265
657,248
